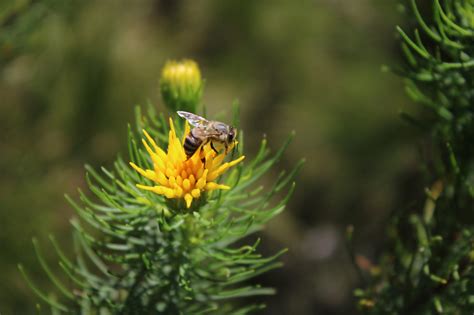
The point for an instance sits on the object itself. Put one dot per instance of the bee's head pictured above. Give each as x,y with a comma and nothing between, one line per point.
232,134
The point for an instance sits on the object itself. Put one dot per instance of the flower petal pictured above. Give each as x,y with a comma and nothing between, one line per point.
214,186
187,129
214,174
148,173
189,199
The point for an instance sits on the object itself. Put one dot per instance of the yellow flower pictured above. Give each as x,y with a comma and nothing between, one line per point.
181,85
177,176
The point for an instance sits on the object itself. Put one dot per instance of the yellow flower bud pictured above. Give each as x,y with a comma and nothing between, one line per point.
181,85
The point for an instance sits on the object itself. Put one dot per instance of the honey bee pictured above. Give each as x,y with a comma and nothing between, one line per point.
205,131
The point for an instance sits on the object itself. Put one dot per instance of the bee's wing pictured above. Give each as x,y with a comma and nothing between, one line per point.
193,119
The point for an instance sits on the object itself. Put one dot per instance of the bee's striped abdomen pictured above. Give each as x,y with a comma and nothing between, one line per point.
191,144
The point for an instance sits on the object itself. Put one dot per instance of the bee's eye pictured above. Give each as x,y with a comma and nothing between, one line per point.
230,137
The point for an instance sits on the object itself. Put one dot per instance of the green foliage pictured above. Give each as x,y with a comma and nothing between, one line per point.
67,97
133,255
18,20
429,264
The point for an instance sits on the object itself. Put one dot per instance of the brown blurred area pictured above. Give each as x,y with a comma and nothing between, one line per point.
72,71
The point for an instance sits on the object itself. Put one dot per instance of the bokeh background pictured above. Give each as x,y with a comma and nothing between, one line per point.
72,71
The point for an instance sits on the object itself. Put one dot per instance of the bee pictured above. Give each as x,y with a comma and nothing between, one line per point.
205,131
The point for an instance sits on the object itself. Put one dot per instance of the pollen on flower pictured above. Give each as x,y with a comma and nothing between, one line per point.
175,175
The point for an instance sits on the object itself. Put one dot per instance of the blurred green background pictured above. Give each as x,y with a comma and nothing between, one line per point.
71,72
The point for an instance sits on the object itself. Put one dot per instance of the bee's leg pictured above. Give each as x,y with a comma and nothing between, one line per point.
213,148
203,159
234,150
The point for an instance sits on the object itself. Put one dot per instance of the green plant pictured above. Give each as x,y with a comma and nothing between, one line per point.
429,263
147,243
